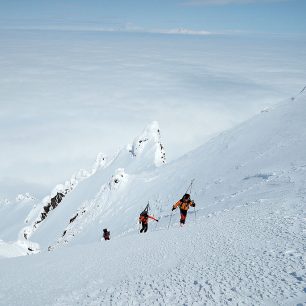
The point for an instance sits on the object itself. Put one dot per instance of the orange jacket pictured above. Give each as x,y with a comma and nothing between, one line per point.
183,205
144,219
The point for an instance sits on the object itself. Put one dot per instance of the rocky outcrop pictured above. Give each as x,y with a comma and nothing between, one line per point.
51,205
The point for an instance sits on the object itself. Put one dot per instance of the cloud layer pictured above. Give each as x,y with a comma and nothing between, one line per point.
66,96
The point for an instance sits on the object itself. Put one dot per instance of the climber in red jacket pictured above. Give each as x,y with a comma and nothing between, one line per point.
144,219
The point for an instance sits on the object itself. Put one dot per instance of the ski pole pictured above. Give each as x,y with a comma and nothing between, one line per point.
302,90
195,215
156,224
170,219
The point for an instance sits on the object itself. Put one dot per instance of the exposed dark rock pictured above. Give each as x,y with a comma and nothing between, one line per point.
57,199
52,205
53,202
47,208
72,219
143,140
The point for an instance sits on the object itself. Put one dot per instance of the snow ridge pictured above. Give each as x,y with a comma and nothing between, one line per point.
90,210
149,142
145,153
41,211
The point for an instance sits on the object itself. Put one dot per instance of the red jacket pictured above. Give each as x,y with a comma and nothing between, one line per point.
144,219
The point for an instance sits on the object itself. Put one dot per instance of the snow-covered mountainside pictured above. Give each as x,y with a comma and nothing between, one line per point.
243,243
49,222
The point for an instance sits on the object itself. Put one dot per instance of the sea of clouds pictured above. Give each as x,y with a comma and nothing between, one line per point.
67,95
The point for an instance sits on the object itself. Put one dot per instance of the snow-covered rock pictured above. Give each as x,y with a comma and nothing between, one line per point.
4,202
24,197
148,146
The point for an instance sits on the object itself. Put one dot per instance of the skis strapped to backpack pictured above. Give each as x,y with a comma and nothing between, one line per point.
190,187
146,210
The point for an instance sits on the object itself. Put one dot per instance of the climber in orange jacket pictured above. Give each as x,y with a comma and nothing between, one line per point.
184,204
144,219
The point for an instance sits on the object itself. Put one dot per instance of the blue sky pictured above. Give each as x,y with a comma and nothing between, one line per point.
269,16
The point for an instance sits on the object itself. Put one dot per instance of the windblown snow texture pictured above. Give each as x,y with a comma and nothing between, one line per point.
245,246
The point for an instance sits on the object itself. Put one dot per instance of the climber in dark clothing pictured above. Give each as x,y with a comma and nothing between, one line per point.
106,234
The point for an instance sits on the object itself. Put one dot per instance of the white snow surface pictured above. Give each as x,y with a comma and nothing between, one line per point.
243,245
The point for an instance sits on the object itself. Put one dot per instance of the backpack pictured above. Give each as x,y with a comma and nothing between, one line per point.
143,217
143,213
185,205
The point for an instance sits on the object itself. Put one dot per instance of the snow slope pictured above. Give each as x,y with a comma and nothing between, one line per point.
250,255
252,159
244,245
12,221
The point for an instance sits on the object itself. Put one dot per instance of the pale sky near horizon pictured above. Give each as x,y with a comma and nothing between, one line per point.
267,16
